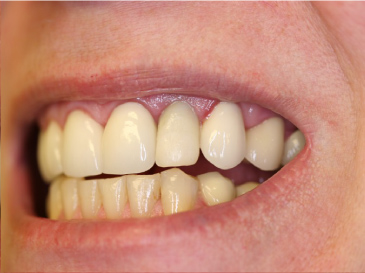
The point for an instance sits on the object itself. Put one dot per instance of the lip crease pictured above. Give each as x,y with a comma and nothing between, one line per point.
89,238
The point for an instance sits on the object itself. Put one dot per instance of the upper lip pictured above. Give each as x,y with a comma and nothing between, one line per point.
134,234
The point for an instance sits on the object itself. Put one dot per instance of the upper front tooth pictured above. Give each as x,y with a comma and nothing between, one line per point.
49,152
216,188
177,136
293,145
129,140
265,143
178,191
81,145
223,136
143,193
90,200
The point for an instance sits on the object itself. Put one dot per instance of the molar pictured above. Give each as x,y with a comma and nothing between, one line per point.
265,144
216,188
177,136
81,145
246,187
223,136
129,140
49,152
178,191
293,145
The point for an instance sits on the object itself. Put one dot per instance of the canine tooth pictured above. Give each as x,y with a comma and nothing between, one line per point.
216,188
143,192
54,200
178,191
114,196
265,144
90,200
177,136
70,200
223,136
81,145
129,140
49,152
248,186
293,145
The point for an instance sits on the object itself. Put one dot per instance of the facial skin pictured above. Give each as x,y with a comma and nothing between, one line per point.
303,61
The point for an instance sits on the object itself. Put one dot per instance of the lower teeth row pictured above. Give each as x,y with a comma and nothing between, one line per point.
169,192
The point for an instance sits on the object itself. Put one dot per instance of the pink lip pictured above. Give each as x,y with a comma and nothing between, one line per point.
161,238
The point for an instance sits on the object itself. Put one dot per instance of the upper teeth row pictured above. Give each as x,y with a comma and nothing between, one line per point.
131,143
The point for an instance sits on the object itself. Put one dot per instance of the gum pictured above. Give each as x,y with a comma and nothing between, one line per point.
253,114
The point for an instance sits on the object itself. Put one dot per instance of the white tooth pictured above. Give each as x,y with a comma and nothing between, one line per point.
178,191
90,200
81,145
49,152
293,145
223,136
70,200
216,188
54,200
265,144
129,140
177,136
114,196
143,192
248,186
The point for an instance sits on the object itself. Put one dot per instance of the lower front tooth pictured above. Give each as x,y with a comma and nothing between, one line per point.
248,186
90,201
178,191
293,145
143,192
216,188
70,200
114,196
265,144
54,200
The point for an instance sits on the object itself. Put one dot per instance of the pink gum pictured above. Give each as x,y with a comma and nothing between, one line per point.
253,114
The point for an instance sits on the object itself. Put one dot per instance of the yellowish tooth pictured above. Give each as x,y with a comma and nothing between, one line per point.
70,200
178,191
143,193
177,136
54,199
49,152
265,144
216,189
222,139
90,200
114,196
244,188
129,140
293,145
81,145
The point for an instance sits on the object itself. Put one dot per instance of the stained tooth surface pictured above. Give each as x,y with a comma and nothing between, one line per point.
265,144
178,191
222,138
216,188
49,152
54,200
89,197
293,145
143,192
81,145
177,136
246,187
129,140
70,200
113,192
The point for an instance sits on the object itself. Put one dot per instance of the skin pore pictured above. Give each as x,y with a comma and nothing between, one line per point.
303,61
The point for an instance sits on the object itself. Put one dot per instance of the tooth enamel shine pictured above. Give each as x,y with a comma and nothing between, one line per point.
223,136
293,145
177,136
129,140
